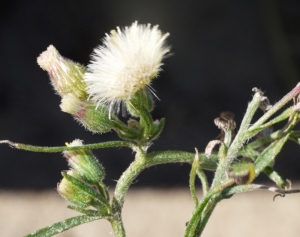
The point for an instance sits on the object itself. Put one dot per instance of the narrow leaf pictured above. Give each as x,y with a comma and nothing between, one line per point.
157,129
85,211
273,175
195,222
269,154
203,179
63,226
284,115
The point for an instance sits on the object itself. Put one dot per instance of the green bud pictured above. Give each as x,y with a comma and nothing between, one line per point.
133,124
142,99
93,118
158,126
84,164
73,193
66,76
242,173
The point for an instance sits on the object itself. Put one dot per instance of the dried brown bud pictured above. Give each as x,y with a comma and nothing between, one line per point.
225,121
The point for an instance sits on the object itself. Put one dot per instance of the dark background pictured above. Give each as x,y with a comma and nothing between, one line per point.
221,50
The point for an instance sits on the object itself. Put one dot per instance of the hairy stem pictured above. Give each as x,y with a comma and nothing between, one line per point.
126,179
238,141
117,226
277,106
67,148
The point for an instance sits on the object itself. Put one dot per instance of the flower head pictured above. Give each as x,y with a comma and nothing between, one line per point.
66,76
129,59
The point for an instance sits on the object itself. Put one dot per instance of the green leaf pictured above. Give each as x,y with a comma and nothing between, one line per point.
63,226
269,154
203,179
146,121
85,211
273,175
250,149
284,115
150,102
157,129
194,225
295,136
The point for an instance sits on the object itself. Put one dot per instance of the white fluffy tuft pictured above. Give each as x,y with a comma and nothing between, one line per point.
128,60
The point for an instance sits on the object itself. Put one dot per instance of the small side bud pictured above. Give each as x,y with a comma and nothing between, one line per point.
84,164
225,121
133,124
66,76
73,193
242,173
94,119
265,104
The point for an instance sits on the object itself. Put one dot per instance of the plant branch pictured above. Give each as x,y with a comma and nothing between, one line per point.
67,148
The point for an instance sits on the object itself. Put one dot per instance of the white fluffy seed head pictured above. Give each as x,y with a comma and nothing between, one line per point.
128,60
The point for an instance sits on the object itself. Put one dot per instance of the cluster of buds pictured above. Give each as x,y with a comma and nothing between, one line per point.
84,164
79,182
126,63
120,72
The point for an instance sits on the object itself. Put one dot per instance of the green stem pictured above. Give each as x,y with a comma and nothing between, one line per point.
117,226
143,161
163,157
196,218
253,131
238,141
68,148
205,209
239,138
126,179
193,177
277,106
206,215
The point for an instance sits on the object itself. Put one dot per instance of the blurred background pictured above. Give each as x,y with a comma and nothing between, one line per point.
221,50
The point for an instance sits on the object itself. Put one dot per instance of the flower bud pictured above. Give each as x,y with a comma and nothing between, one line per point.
84,164
66,76
242,173
73,193
95,119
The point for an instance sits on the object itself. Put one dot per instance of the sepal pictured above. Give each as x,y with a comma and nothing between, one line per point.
157,127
